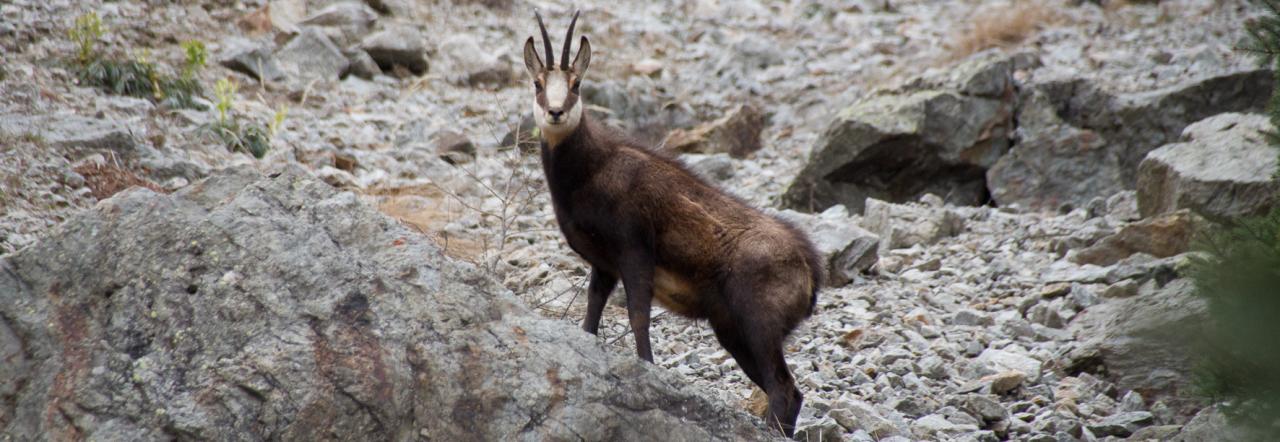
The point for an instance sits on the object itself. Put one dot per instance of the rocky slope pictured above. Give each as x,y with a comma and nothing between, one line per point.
247,307
1013,275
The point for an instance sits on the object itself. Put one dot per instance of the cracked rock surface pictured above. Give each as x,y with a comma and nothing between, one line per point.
249,307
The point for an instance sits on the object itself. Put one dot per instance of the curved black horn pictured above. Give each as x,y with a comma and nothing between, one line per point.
568,38
546,41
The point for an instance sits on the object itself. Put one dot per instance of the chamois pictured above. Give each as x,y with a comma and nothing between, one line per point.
639,216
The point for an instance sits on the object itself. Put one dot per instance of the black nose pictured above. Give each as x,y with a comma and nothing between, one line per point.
555,114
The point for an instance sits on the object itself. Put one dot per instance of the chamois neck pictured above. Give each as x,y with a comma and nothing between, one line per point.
577,139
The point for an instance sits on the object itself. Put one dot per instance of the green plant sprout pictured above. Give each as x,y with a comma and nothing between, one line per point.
277,120
197,58
85,33
225,90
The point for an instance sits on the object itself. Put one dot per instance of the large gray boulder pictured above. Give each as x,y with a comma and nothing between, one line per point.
938,134
1223,169
1075,142
247,307
310,57
399,45
1144,343
898,147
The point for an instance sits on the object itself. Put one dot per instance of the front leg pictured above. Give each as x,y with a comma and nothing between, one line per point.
598,290
637,278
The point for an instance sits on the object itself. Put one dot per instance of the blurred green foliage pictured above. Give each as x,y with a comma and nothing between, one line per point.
1238,273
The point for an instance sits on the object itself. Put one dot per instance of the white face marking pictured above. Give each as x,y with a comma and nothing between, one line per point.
556,92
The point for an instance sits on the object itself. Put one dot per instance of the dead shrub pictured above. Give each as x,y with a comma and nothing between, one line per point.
105,180
1004,24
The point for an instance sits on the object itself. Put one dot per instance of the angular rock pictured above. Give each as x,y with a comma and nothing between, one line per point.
1122,289
1123,206
985,408
362,65
971,318
718,167
345,23
825,429
1063,271
311,56
465,61
1211,424
1121,424
899,147
250,58
344,14
1143,343
1005,382
737,134
905,225
81,136
496,73
336,177
854,415
1155,433
251,307
1223,169
1161,237
454,147
1076,142
1079,159
1004,361
847,249
398,46
285,15
937,426
987,74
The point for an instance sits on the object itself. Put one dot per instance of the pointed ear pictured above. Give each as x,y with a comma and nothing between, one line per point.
531,60
583,59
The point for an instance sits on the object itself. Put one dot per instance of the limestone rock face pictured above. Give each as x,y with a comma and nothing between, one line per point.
897,148
1142,342
247,307
1223,169
1076,141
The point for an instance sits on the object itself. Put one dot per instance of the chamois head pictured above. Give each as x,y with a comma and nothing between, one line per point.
557,108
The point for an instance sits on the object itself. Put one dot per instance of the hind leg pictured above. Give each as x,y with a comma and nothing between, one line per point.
784,398
763,332
598,291
736,344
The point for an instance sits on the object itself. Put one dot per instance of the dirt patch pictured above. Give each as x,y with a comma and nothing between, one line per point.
105,180
427,210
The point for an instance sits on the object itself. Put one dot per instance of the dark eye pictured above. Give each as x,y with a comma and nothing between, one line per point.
537,86
576,83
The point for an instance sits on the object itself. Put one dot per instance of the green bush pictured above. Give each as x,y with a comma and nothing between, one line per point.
252,139
1238,273
139,77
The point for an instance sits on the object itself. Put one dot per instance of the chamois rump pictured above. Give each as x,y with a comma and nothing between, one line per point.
641,217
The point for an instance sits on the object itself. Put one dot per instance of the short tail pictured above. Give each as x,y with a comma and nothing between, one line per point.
816,274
